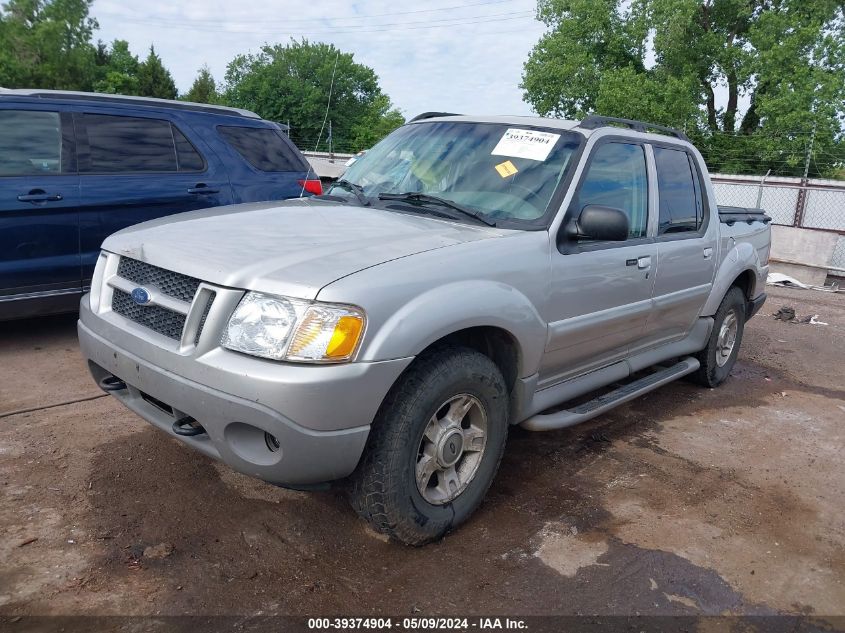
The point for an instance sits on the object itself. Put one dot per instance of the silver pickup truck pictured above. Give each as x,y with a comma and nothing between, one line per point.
464,275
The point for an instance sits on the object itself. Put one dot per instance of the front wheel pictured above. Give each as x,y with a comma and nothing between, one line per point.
718,358
435,446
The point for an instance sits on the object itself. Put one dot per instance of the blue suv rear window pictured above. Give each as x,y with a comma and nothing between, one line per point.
188,157
263,148
125,144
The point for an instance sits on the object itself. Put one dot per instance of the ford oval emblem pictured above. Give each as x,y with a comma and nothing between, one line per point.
141,296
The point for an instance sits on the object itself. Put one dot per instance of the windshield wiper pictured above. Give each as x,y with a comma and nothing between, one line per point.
416,196
356,190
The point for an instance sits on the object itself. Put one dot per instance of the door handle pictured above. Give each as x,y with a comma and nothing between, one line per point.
708,253
202,190
33,196
644,262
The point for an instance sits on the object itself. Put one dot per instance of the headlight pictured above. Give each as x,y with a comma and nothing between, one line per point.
291,329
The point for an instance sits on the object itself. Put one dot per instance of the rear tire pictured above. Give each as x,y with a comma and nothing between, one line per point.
718,358
434,448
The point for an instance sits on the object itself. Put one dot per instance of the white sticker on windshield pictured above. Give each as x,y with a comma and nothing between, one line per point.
529,144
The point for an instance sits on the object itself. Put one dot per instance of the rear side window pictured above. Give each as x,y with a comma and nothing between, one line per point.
616,177
129,144
123,144
30,143
188,157
263,148
679,195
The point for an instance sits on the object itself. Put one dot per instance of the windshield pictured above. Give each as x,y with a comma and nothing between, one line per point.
498,171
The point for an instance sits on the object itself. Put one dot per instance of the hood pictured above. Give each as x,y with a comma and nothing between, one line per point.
292,248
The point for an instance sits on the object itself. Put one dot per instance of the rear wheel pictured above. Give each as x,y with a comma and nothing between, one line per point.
435,446
718,358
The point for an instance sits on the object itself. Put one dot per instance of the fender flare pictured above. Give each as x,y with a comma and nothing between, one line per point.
741,259
456,306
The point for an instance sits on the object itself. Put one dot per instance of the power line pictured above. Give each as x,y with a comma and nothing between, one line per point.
337,18
350,29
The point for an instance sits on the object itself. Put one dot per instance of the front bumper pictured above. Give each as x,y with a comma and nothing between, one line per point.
320,415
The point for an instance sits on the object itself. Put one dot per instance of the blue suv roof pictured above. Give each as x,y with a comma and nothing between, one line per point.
128,100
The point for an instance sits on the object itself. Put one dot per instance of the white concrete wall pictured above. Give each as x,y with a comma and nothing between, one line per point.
325,165
802,253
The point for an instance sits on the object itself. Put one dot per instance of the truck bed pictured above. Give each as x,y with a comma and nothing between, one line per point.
745,224
749,215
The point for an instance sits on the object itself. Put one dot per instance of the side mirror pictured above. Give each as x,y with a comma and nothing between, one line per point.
597,222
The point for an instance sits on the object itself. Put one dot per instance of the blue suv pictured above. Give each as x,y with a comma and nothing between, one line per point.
76,167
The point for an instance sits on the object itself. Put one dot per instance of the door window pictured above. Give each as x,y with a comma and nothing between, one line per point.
123,144
30,143
680,198
189,158
616,177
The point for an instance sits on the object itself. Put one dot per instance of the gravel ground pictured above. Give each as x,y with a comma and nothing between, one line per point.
686,501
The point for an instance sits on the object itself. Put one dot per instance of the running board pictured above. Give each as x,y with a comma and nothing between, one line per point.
607,401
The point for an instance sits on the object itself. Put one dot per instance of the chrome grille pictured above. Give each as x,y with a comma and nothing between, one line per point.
172,284
204,317
157,318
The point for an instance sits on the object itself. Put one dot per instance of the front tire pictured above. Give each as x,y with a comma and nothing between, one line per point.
435,446
718,358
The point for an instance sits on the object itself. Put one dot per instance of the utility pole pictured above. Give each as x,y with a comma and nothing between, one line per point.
809,152
801,205
760,188
331,153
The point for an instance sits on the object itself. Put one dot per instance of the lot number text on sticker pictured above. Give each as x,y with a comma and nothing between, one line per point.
529,144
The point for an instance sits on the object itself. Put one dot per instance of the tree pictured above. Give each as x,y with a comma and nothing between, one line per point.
293,83
665,60
154,80
119,69
204,88
380,121
47,44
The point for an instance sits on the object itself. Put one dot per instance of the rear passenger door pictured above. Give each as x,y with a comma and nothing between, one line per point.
270,165
686,245
39,194
136,168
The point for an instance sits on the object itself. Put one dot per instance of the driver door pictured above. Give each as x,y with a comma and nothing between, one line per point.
600,294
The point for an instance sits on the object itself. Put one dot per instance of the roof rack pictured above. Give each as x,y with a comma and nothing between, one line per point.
593,121
432,115
142,101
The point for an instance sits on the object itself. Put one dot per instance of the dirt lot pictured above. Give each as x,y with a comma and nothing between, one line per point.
687,501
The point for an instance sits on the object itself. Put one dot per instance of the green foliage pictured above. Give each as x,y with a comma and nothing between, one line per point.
47,44
662,61
119,68
292,84
204,88
380,120
154,80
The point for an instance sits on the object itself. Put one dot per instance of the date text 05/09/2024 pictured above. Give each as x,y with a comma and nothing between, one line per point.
417,624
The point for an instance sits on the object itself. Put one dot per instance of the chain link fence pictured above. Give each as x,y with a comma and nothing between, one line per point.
812,204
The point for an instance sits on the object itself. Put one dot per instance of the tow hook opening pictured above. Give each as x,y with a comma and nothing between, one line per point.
111,383
188,427
272,443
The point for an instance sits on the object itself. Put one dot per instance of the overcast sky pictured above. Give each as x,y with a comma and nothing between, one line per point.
444,55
